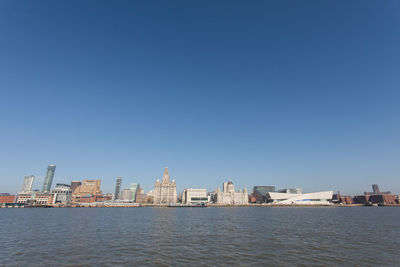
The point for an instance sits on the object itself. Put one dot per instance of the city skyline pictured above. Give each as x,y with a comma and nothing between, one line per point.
286,94
128,183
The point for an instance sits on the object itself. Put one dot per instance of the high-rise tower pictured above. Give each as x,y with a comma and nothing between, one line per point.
117,188
49,178
134,187
27,185
375,189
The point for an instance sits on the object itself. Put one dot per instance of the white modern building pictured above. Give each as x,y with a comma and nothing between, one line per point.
228,195
290,191
192,196
317,198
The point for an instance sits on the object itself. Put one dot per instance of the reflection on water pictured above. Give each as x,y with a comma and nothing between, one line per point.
256,236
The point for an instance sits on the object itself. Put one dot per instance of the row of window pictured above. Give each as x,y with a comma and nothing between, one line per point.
199,199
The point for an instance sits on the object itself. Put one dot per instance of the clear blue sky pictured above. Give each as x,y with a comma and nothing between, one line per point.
285,93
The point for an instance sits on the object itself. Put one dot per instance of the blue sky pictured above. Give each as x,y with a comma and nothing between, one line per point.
285,93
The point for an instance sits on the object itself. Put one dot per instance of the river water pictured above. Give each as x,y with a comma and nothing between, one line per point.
253,236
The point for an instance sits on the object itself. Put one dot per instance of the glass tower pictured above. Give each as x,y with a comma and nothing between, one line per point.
117,188
49,178
27,185
134,187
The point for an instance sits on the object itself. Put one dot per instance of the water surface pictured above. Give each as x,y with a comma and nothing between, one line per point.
254,236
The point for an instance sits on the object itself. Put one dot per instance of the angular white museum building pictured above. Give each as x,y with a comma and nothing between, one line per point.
317,198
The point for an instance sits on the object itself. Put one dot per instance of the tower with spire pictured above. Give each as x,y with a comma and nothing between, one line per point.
166,177
165,191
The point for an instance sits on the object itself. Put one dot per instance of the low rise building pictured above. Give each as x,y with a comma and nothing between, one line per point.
317,198
340,199
150,197
376,197
192,196
361,199
25,198
43,199
89,198
384,199
141,197
120,204
102,198
6,198
291,191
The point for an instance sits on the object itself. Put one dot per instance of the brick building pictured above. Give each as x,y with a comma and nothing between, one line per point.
7,198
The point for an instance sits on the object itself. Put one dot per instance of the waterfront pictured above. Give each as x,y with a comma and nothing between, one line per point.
363,236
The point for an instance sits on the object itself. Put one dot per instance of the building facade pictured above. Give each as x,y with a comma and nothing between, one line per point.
43,199
317,198
25,198
27,184
376,197
117,188
291,191
141,197
91,187
260,193
228,195
340,199
165,191
6,198
87,192
62,194
48,180
192,196
126,195
74,185
134,189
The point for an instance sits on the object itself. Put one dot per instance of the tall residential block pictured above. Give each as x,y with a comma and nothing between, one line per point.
134,188
27,184
375,189
117,188
49,178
